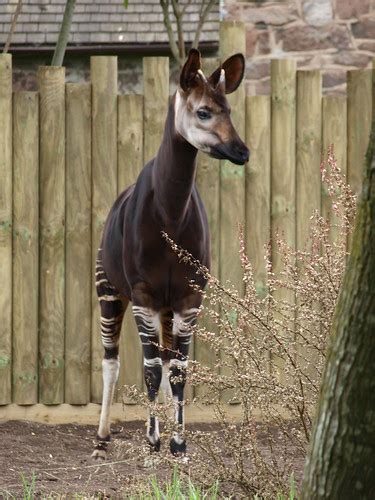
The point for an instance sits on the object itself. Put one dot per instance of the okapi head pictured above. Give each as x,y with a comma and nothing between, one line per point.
202,112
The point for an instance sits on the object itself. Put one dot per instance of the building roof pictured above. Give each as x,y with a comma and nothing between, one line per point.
98,22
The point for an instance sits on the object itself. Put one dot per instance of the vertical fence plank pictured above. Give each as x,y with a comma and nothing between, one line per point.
52,214
359,112
258,184
25,246
333,133
78,243
104,184
308,187
232,190
208,184
309,125
283,164
130,163
156,94
6,227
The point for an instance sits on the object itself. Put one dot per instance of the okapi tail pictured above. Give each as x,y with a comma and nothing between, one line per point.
166,320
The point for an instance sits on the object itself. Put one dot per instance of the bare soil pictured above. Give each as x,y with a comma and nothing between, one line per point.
59,457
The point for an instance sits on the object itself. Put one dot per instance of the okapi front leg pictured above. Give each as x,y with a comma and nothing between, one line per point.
112,307
148,324
182,332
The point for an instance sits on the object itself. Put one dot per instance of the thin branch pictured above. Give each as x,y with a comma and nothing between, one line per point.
58,56
205,10
178,14
167,23
13,26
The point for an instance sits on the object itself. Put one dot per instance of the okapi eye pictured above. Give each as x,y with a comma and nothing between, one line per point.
203,114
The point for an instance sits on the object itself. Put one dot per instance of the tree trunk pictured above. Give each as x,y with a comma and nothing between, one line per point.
62,41
341,461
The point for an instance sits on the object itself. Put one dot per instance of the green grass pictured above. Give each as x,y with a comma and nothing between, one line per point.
177,489
28,486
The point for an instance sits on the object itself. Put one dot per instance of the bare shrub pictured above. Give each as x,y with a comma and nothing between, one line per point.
270,352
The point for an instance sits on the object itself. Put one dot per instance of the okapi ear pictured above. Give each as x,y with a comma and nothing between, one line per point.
234,69
188,77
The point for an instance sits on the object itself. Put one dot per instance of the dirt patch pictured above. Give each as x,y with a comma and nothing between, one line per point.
59,456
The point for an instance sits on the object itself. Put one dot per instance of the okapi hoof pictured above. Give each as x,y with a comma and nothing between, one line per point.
154,447
177,449
100,451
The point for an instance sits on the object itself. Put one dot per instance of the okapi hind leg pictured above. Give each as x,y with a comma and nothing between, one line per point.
112,307
182,333
148,324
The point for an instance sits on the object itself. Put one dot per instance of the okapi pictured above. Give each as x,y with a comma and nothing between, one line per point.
134,261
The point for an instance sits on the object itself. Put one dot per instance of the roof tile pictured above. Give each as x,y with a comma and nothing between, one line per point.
100,21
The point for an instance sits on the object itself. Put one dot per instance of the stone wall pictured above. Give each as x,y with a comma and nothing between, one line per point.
331,35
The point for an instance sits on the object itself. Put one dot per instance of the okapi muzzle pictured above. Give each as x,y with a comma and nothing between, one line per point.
233,150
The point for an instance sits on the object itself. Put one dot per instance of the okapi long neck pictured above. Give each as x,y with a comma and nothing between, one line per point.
174,172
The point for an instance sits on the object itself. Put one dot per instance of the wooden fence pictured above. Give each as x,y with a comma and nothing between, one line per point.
67,150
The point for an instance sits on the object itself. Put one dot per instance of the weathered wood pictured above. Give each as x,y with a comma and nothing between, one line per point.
232,191
6,227
130,163
52,234
258,185
208,184
309,125
78,243
359,92
156,94
104,184
283,164
308,188
258,189
25,246
334,126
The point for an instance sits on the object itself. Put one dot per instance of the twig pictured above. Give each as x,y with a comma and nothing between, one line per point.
13,26
167,23
205,10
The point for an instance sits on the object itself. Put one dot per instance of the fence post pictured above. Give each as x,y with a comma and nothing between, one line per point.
104,184
78,243
258,184
6,227
156,95
52,229
25,246
308,191
359,91
283,164
334,127
130,163
309,131
232,191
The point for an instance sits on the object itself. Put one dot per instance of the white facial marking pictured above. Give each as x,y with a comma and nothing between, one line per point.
188,125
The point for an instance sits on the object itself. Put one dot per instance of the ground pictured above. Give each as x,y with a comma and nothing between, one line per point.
59,456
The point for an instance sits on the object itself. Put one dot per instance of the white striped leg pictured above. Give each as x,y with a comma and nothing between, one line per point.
112,308
182,333
148,324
